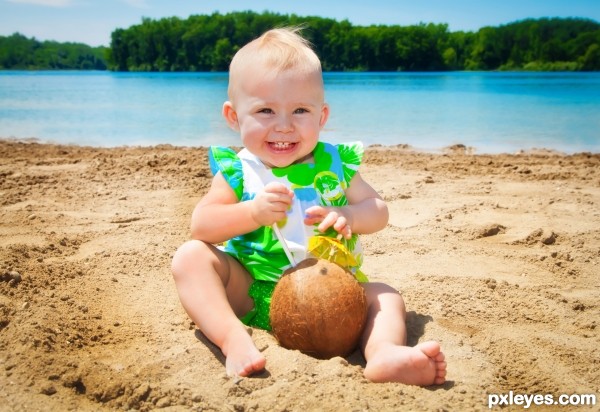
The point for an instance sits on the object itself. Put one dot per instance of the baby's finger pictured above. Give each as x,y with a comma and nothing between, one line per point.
279,198
316,211
328,221
346,232
342,227
277,187
314,214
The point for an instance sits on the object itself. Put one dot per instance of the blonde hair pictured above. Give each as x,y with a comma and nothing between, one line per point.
277,50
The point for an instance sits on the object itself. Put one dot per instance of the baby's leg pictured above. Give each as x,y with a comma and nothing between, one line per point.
384,343
213,289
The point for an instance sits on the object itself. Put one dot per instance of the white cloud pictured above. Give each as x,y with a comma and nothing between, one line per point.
49,3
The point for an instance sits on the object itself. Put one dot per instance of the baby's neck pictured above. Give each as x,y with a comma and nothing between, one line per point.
308,159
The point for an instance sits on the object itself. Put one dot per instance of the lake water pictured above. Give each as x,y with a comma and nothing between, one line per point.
492,112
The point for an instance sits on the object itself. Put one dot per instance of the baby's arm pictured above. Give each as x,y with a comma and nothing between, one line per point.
365,213
219,216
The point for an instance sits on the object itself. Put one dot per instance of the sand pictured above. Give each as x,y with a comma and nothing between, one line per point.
497,257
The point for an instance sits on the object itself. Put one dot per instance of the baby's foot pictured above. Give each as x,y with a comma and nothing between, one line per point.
421,365
242,356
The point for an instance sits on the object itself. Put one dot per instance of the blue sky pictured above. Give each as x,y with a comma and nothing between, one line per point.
92,21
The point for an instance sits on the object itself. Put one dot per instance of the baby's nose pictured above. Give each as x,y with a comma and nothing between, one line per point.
284,124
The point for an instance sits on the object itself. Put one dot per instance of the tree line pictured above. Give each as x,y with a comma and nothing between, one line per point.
18,52
208,42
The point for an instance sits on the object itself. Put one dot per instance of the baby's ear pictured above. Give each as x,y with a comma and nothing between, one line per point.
230,116
324,115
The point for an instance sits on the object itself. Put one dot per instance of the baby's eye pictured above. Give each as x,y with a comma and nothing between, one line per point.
300,110
265,110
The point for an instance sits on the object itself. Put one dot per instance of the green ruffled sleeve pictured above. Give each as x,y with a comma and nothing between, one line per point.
225,160
351,155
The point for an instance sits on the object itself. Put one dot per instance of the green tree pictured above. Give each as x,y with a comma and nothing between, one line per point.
20,52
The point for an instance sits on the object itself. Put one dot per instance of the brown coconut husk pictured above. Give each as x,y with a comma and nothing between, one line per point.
318,308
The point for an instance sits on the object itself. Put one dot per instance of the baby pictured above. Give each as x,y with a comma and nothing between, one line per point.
285,176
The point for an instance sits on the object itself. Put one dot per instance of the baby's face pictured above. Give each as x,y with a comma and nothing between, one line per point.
279,115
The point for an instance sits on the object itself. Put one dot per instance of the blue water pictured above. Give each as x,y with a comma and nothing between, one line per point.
492,112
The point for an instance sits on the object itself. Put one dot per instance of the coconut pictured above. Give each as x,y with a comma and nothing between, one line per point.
318,308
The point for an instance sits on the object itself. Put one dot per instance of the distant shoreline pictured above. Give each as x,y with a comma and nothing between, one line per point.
455,149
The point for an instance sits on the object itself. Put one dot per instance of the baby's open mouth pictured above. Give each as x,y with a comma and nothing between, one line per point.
281,145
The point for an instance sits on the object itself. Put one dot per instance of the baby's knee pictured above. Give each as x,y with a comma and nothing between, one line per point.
187,256
383,295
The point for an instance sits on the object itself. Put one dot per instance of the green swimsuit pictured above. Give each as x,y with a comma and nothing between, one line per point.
320,183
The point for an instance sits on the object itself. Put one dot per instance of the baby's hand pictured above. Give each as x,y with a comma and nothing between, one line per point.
271,205
329,217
